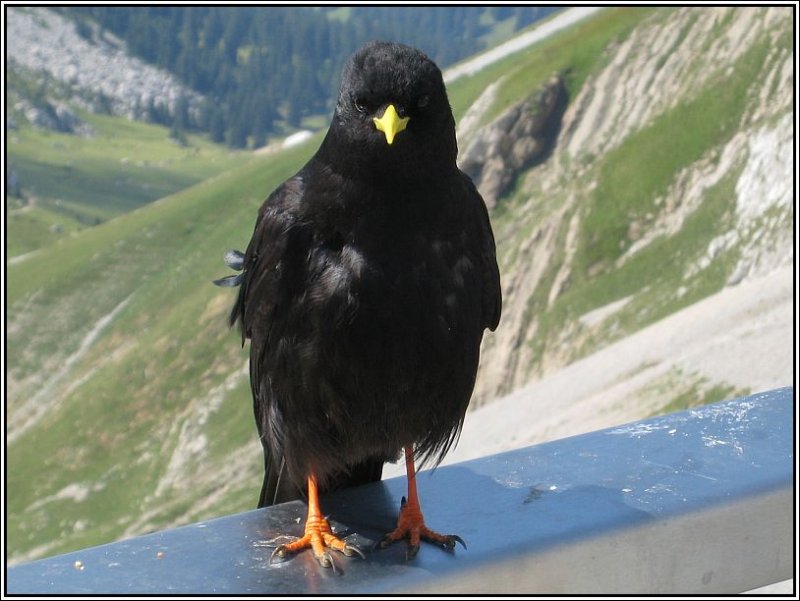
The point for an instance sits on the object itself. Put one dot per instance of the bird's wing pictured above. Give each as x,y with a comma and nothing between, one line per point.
492,299
271,271
264,262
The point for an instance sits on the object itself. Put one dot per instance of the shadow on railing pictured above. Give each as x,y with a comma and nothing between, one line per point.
693,502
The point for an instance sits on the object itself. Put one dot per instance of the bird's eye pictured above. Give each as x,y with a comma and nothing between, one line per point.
360,104
423,102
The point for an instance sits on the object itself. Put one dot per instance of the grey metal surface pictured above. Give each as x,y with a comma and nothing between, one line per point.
693,502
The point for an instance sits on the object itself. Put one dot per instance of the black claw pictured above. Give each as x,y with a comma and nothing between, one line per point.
411,552
351,550
383,543
326,561
449,542
279,551
402,503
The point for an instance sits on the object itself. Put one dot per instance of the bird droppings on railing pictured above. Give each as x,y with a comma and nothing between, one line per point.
638,429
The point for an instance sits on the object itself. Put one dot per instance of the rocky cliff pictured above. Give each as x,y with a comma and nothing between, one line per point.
521,138
686,129
93,71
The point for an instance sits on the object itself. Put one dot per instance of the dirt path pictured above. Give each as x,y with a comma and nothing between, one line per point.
49,394
563,19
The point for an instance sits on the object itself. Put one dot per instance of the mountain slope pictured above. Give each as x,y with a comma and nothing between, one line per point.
128,397
117,345
240,75
63,179
73,164
660,191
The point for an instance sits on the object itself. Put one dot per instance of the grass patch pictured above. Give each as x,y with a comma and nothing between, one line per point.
678,390
689,392
655,277
577,49
31,228
636,173
123,166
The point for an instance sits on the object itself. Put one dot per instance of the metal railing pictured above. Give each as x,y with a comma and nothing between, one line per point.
699,501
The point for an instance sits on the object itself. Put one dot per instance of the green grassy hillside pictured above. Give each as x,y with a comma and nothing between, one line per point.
106,423
578,51
78,181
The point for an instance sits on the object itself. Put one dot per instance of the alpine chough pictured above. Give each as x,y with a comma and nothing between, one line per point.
365,290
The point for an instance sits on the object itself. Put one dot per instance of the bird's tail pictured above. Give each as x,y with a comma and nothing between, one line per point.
277,487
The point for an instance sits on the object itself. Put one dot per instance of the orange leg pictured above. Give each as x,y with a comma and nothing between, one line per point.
411,524
318,535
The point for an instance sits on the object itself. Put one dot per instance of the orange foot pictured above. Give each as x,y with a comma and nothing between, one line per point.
411,525
318,535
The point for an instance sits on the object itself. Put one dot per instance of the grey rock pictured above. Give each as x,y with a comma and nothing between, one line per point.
98,73
519,139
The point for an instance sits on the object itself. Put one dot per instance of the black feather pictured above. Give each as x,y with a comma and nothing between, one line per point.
229,281
234,259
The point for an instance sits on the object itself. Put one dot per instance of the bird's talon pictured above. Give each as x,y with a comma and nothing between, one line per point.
411,552
351,550
280,552
452,539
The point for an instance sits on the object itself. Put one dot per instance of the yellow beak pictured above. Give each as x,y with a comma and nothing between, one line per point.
391,123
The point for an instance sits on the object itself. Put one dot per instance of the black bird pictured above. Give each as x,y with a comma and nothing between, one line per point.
365,290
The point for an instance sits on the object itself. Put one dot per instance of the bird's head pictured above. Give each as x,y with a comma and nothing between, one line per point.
393,108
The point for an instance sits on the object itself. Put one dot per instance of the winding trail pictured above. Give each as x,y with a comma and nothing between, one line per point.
29,413
560,21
